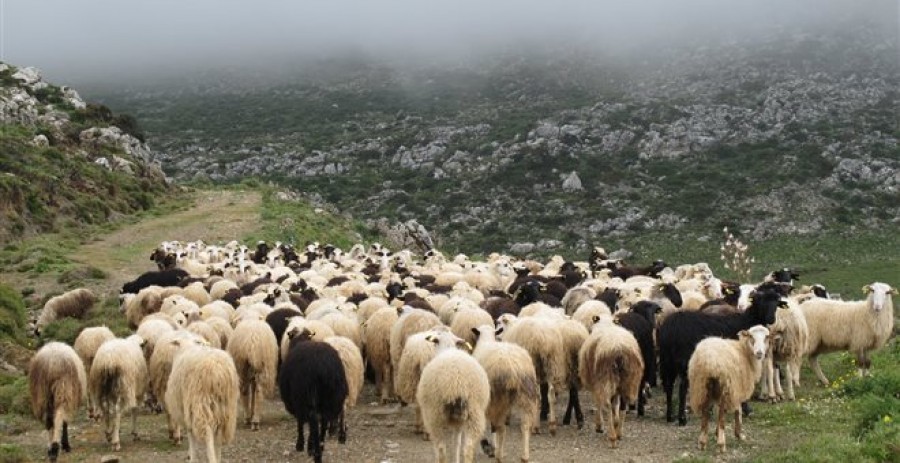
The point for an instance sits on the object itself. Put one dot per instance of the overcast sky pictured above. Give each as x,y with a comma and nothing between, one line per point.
70,38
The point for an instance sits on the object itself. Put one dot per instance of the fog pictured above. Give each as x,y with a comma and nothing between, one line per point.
81,40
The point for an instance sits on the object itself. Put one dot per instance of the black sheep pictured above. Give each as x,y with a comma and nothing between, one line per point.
681,331
640,321
170,277
313,387
625,272
278,320
261,254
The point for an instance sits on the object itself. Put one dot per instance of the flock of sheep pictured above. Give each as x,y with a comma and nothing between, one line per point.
468,342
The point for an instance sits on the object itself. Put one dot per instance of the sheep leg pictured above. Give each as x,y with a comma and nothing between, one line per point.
795,370
210,445
245,403
545,401
469,439
642,399
299,445
551,403
738,432
704,426
618,415
489,441
682,400
342,429
779,392
814,363
669,388
863,363
53,451
499,440
606,410
117,423
440,445
419,423
255,394
192,448
720,427
134,433
107,420
789,376
65,437
524,426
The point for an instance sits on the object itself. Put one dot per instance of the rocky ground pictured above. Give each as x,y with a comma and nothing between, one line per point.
386,434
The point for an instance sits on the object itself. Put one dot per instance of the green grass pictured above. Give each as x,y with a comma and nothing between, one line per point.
844,422
11,453
296,222
12,315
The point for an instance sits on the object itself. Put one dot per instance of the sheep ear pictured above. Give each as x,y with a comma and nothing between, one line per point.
744,333
893,291
476,332
866,289
595,318
431,338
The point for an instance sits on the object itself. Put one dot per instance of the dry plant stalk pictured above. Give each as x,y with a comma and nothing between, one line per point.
736,256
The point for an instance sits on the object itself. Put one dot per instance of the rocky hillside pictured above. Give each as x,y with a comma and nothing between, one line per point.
65,162
556,149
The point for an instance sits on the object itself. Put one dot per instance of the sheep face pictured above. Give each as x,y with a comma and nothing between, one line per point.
671,292
879,294
819,291
757,338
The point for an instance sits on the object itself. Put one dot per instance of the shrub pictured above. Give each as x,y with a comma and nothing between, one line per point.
12,313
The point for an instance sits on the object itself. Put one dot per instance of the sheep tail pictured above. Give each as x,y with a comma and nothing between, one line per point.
51,411
109,383
713,388
456,410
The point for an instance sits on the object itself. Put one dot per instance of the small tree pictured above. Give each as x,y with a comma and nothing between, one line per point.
736,256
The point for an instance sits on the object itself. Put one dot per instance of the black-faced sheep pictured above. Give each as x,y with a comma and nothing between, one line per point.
56,387
724,372
313,388
454,394
857,326
679,334
610,366
74,304
204,404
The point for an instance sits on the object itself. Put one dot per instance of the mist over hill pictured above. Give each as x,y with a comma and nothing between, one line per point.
788,127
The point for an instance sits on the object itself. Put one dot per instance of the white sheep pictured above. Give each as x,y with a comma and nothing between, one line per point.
466,320
117,381
254,349
411,321
352,360
377,341
150,331
453,395
75,304
857,326
204,404
159,369
542,339
344,326
788,339
56,387
610,365
513,385
587,311
724,372
86,345
207,332
417,352
577,296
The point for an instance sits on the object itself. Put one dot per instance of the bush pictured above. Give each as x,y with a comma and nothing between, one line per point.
14,395
12,313
62,330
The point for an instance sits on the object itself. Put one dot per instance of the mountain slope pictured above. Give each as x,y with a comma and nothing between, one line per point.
551,151
64,162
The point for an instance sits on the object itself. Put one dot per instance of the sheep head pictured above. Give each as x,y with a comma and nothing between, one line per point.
757,339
